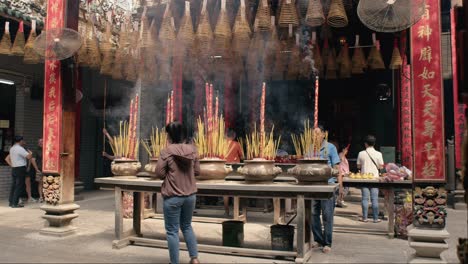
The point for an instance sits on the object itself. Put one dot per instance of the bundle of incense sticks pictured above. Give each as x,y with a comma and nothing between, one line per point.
121,145
157,141
170,108
212,144
256,149
308,144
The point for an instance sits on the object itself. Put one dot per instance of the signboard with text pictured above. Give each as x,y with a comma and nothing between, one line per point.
428,117
52,131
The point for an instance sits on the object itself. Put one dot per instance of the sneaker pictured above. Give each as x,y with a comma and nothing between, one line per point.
326,249
34,200
17,206
316,245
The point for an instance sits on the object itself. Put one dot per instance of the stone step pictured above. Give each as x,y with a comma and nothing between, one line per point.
427,235
413,259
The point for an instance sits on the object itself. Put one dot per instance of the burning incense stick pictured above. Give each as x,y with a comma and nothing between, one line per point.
316,101
212,144
309,143
253,145
262,118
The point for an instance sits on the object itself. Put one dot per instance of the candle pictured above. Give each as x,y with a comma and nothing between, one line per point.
134,127
316,101
130,126
262,119
216,111
172,106
167,110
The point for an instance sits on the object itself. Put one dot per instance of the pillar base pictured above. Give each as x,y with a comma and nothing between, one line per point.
59,219
428,243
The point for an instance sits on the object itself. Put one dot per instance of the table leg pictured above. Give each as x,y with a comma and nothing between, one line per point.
391,213
155,202
118,214
277,211
301,229
137,211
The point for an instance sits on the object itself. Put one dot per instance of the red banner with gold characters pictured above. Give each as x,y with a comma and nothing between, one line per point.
428,121
406,126
459,108
52,133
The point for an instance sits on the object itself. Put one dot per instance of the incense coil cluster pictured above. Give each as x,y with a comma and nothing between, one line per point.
314,16
288,14
222,33
262,18
30,56
51,189
337,15
18,45
5,43
241,33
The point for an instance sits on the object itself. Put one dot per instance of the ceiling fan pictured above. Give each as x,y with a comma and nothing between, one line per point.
57,43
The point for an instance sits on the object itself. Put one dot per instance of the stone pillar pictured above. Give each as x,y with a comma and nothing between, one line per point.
427,234
59,173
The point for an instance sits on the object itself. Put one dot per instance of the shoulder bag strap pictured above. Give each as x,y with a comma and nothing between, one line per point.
378,169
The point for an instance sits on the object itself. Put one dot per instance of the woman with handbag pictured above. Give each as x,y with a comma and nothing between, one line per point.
178,165
370,161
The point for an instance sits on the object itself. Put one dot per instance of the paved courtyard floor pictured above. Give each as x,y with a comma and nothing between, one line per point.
22,243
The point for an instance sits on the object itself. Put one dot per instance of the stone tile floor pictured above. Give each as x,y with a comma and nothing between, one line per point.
21,242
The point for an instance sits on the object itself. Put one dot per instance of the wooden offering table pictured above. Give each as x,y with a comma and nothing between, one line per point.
303,194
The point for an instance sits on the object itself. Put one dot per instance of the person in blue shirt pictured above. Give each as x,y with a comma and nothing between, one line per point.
326,208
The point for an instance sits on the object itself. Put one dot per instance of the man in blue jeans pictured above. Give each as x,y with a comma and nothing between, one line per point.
326,208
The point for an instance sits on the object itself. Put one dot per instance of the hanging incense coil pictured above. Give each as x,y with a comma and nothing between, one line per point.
145,35
204,35
262,18
30,56
94,55
5,43
396,61
345,63
331,65
317,56
131,62
281,62
272,48
82,54
186,36
295,62
288,14
167,34
375,60
120,54
358,62
18,45
337,15
241,32
302,6
222,32
314,16
107,52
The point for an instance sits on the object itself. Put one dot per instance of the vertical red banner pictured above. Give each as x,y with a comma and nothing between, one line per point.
459,108
52,131
428,110
406,116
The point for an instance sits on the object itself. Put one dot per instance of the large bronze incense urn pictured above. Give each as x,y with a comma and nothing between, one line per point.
311,171
213,169
259,171
150,168
125,168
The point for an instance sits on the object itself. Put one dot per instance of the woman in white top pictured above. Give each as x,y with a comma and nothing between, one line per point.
370,161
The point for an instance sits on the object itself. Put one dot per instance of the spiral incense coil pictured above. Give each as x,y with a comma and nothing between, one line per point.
145,35
262,18
18,45
288,14
132,62
222,32
204,35
241,33
82,54
337,15
120,54
396,61
375,60
281,62
358,62
167,35
30,56
5,43
345,63
186,36
107,52
94,55
148,69
314,16
317,56
331,65
302,6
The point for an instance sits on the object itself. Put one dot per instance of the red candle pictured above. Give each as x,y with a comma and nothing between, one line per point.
167,110
172,106
216,111
316,101
130,122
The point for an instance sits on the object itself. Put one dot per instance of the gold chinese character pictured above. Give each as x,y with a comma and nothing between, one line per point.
51,106
52,92
429,169
426,54
429,148
54,7
51,119
425,31
428,109
54,22
52,78
426,74
427,91
429,128
52,65
426,12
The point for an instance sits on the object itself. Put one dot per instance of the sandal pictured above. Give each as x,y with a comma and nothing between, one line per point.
377,221
363,220
326,249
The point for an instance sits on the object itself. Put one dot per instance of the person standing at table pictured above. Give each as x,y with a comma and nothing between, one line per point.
344,171
370,161
178,165
17,159
323,234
